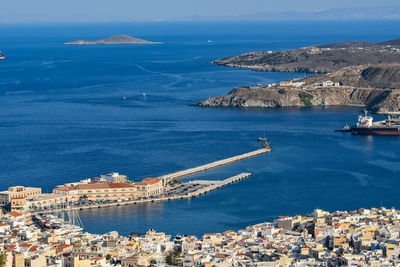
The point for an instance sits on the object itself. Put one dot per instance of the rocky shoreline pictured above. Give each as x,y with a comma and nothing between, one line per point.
375,87
376,100
350,74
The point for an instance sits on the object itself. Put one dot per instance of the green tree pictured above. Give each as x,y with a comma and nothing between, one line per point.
306,98
3,259
177,181
108,257
173,258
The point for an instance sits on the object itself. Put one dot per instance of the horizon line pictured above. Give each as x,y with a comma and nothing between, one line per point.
194,21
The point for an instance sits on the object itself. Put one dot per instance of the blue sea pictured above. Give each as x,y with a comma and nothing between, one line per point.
72,112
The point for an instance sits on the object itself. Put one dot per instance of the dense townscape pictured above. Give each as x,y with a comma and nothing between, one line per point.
367,237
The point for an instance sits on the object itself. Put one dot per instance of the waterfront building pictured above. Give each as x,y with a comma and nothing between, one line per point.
286,83
97,191
110,187
51,200
149,187
297,84
16,196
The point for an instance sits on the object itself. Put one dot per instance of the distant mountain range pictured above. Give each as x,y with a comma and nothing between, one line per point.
356,13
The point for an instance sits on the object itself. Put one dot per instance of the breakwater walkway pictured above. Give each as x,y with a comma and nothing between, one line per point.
214,164
210,186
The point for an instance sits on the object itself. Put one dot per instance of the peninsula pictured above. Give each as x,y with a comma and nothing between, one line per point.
116,39
317,59
350,73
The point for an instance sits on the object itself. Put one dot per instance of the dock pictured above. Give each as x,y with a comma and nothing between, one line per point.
211,185
214,164
217,184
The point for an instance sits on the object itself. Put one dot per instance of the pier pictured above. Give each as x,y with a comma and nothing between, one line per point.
175,191
214,164
210,186
217,184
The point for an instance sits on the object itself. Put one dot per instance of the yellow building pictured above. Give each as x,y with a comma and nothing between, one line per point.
392,250
114,177
97,191
76,261
149,187
18,192
36,261
286,83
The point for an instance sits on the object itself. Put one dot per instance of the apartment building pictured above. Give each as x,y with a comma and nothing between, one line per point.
19,193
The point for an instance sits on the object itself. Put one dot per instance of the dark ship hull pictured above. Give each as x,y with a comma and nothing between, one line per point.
376,130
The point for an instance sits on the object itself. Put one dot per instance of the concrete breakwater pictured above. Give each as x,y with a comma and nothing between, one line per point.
214,164
212,185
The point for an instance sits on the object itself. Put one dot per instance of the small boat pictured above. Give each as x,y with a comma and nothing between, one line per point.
144,94
345,129
262,139
209,41
2,56
124,98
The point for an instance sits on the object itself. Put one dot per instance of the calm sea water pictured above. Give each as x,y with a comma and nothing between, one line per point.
62,118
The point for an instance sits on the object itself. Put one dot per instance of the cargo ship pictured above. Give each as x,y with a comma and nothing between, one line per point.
2,56
366,126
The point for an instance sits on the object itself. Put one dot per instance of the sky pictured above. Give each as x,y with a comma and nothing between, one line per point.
162,10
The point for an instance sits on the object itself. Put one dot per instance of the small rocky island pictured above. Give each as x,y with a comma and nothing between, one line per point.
352,73
116,39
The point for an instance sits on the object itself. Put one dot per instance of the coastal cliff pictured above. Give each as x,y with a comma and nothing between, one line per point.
350,86
116,39
349,73
380,101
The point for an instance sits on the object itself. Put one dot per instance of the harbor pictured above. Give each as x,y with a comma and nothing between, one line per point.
115,189
207,186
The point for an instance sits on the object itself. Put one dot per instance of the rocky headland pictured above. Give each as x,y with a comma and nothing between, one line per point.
317,59
374,86
351,73
116,39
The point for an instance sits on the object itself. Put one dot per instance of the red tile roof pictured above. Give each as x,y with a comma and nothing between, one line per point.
33,248
94,186
149,181
15,214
